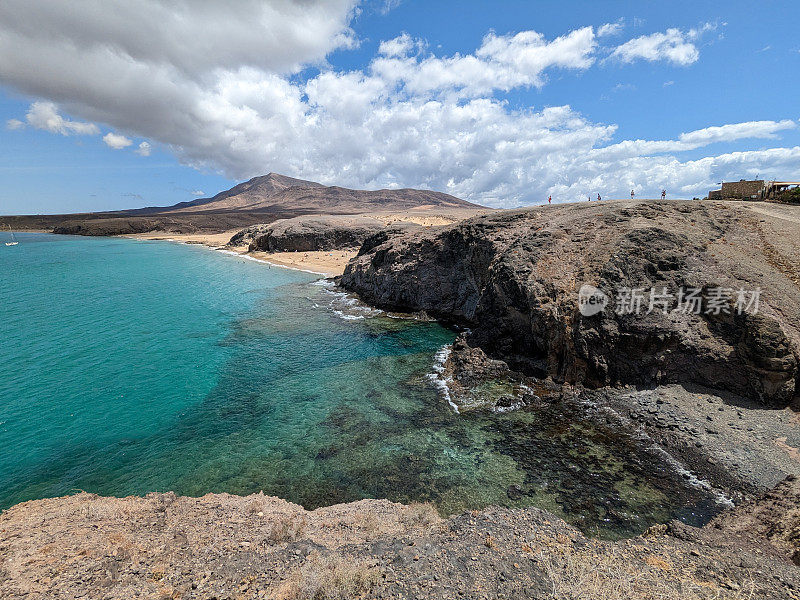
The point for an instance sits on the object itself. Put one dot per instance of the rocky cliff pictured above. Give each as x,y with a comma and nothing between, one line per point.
316,232
514,278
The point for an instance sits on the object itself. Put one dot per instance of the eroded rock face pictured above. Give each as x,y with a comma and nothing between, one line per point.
306,234
247,236
514,277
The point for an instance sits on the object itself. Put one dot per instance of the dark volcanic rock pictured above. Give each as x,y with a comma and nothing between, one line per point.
105,227
318,232
514,277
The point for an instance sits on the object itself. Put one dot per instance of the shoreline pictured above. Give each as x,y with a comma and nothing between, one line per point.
326,263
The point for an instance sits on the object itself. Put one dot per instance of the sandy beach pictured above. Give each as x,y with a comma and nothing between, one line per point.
328,263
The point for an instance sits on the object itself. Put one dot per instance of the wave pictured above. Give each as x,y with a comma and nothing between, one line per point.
438,379
266,262
349,308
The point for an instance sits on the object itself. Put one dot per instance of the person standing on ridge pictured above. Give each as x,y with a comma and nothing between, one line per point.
632,194
549,199
598,198
663,194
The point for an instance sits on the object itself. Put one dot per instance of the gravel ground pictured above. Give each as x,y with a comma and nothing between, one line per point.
229,547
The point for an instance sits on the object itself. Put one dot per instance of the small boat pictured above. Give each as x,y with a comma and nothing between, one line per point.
13,241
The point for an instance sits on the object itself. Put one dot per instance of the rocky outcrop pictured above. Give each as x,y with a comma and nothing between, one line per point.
316,232
105,227
223,546
127,223
514,278
246,237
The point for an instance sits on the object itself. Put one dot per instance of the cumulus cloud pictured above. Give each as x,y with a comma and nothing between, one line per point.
14,124
44,115
673,45
191,37
116,141
236,100
609,29
144,149
198,193
502,62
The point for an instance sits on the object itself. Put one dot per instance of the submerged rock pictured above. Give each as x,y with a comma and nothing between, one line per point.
476,382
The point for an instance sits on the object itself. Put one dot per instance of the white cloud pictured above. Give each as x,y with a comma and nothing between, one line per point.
390,5
116,141
44,115
610,29
673,45
408,118
191,37
737,131
198,193
399,46
15,124
144,149
503,62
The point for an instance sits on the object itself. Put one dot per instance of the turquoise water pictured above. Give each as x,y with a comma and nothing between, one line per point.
128,367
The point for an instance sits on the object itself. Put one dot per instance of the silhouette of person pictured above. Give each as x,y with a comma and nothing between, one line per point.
663,194
632,194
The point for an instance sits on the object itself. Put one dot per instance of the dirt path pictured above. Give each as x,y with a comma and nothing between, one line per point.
779,211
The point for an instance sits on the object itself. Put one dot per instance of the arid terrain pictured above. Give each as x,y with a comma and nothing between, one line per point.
228,547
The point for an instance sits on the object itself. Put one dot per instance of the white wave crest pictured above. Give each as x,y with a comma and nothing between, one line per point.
438,379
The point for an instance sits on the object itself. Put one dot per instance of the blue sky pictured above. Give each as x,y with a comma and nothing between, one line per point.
447,111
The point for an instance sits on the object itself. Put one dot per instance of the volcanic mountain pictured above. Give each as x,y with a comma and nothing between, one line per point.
273,192
260,200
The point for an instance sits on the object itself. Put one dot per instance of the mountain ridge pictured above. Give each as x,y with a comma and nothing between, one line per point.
276,191
261,199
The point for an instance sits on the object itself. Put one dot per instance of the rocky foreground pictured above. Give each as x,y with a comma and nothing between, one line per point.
228,547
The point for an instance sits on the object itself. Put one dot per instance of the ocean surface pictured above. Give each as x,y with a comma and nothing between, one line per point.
130,366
